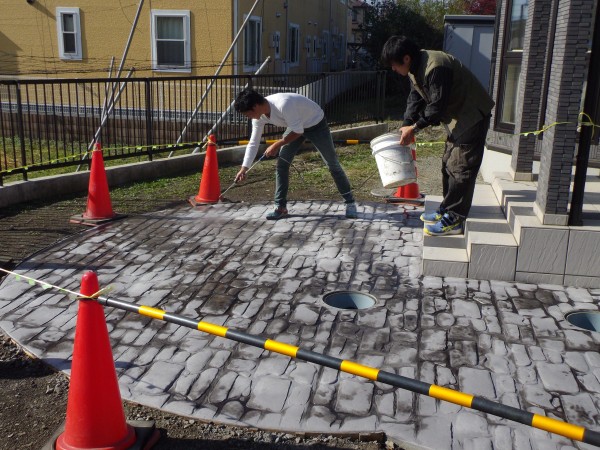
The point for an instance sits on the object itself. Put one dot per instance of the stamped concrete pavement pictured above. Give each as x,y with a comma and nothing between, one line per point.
225,264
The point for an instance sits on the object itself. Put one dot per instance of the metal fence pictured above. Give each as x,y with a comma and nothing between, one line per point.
53,123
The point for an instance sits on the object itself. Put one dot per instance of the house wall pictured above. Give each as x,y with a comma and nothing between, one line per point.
30,40
470,40
539,50
314,18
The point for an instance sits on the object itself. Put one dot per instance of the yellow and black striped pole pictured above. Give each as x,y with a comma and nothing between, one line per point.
272,141
555,426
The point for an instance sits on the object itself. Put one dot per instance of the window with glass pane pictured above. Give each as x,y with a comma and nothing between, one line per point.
69,33
252,47
293,45
518,19
69,45
511,91
170,41
512,56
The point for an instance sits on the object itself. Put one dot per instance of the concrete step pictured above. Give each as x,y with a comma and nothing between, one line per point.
491,247
444,256
486,251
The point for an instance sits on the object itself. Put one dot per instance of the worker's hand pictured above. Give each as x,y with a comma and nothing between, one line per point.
241,175
407,135
272,149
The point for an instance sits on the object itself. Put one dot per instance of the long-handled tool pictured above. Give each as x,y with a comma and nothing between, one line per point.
235,182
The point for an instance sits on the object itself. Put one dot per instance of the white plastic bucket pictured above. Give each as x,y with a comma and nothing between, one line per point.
394,161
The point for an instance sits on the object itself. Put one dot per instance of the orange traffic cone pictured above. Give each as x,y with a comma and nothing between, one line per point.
409,193
210,187
95,416
99,207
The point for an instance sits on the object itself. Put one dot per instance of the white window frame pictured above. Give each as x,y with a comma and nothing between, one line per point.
293,28
253,21
185,15
78,55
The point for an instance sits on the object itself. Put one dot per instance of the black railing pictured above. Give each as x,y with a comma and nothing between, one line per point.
46,124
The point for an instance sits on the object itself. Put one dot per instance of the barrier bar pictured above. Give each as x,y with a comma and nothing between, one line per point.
272,141
555,426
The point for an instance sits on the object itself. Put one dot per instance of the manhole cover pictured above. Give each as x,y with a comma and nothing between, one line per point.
349,300
586,320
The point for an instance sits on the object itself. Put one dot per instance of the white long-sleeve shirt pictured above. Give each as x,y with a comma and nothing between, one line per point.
288,110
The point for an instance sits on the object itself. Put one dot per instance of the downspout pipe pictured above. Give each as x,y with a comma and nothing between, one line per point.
590,107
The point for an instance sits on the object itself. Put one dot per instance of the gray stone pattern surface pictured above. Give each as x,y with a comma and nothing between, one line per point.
226,265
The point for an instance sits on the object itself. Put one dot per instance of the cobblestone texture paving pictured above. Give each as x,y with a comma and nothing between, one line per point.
226,265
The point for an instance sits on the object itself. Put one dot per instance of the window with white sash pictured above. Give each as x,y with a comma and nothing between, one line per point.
171,41
68,27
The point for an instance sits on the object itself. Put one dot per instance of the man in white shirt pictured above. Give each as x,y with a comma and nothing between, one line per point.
303,119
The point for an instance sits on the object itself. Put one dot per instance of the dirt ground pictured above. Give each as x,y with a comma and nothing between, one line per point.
33,397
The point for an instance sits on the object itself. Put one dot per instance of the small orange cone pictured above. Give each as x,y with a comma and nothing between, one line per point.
409,193
99,207
95,417
210,187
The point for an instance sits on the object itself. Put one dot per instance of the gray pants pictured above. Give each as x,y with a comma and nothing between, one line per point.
460,165
320,136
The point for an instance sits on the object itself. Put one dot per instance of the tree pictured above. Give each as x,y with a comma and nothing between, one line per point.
482,7
386,18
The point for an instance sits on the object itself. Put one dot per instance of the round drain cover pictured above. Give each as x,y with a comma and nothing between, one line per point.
349,300
586,320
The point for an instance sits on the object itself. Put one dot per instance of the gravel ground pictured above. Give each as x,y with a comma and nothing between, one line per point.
33,397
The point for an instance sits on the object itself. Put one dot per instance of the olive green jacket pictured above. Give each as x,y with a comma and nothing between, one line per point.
468,100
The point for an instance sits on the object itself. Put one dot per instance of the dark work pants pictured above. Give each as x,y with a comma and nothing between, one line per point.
460,165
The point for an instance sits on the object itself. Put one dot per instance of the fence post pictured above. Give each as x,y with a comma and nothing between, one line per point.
248,122
21,130
148,118
323,89
381,79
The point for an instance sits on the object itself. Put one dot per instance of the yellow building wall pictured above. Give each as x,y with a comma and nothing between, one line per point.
314,17
29,47
29,38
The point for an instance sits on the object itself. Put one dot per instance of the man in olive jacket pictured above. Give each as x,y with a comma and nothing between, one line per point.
444,91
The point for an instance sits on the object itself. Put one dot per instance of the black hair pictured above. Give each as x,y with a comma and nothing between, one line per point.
247,99
396,48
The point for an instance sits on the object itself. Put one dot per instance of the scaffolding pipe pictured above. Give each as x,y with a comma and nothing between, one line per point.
212,130
199,105
218,122
104,119
119,70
